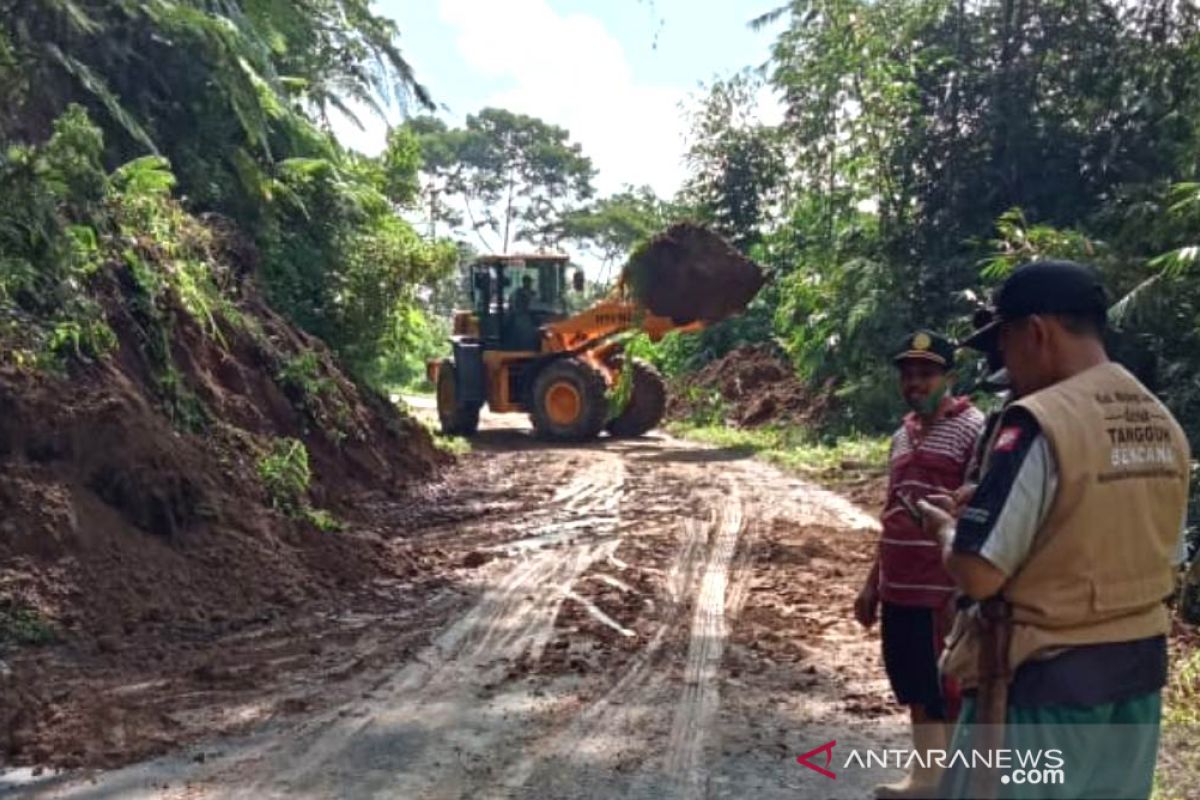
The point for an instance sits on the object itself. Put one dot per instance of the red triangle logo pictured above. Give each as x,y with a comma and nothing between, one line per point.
827,749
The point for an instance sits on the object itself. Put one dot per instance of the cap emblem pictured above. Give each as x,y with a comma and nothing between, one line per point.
922,342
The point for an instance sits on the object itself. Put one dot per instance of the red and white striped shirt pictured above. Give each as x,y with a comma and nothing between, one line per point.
921,463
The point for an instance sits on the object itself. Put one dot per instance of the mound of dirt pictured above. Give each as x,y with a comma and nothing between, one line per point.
687,272
755,386
131,496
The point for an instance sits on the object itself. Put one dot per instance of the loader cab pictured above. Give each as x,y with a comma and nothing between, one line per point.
513,296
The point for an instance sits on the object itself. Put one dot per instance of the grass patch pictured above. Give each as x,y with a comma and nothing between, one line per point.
454,445
796,449
1181,700
419,388
1178,773
322,520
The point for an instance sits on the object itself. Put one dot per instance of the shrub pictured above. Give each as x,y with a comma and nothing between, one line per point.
285,475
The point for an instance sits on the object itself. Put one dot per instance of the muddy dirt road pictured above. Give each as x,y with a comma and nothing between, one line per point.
644,619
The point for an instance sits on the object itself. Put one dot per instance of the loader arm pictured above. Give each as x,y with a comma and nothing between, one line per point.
607,318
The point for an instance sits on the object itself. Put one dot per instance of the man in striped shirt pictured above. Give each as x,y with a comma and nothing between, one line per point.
930,455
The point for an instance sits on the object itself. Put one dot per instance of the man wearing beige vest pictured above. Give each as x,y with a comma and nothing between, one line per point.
1074,532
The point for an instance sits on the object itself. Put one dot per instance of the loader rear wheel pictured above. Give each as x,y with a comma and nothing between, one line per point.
568,401
457,418
647,403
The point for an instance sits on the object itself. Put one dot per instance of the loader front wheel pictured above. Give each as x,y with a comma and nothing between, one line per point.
647,403
568,401
457,418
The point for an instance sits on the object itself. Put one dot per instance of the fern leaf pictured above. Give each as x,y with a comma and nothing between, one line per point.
96,86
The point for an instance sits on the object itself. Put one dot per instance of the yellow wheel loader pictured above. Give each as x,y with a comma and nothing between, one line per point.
519,350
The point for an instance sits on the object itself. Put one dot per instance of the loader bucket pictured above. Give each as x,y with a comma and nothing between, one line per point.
689,273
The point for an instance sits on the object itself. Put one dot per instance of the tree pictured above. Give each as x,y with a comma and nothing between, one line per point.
913,125
737,163
613,225
514,175
441,170
519,175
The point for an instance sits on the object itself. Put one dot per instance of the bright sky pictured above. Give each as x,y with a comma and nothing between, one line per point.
613,72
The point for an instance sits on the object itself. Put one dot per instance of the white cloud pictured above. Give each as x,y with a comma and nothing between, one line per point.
570,71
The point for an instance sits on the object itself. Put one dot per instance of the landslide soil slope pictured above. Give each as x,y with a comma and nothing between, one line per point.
137,533
640,618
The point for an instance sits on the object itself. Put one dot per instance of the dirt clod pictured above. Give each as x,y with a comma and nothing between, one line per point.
476,558
687,272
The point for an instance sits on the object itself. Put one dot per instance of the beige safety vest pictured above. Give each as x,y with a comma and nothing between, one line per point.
1102,563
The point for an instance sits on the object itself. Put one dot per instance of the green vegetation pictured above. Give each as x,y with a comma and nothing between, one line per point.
1181,700
322,520
303,374
514,174
1181,716
285,475
796,449
228,105
612,227
927,147
417,337
930,146
453,445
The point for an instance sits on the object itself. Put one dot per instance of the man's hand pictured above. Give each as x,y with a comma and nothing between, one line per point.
937,513
963,496
866,605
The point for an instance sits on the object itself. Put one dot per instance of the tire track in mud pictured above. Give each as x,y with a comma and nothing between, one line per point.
644,711
654,529
613,721
701,695
418,733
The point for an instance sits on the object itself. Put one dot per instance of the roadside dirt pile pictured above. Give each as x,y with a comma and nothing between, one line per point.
754,385
160,494
687,272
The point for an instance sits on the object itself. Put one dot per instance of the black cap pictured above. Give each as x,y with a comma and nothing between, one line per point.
1043,287
997,376
926,346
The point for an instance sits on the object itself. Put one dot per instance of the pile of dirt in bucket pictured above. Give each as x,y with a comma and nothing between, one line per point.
689,273
135,497
753,386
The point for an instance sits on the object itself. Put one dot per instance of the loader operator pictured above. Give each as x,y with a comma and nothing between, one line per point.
522,297
1070,540
524,328
929,454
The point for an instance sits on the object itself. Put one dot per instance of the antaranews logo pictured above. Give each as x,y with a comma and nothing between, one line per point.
1022,767
827,749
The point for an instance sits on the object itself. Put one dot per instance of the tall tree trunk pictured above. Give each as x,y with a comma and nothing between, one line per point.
487,246
512,181
433,193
